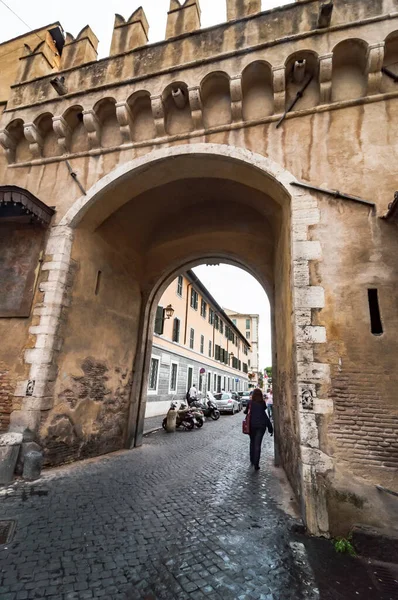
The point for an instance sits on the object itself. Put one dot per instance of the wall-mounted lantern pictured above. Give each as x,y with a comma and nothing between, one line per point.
169,312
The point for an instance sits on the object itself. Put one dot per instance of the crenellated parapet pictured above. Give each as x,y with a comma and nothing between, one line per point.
238,9
80,50
138,98
182,18
221,95
130,34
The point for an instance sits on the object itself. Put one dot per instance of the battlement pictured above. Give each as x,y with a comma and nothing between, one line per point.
131,56
244,71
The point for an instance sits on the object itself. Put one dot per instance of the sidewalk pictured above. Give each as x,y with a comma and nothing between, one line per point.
153,423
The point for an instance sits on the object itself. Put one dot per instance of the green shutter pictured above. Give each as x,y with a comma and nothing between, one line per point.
159,320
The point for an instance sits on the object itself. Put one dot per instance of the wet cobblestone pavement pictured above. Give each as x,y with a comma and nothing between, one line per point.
183,517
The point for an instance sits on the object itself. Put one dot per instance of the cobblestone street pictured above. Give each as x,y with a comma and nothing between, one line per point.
182,517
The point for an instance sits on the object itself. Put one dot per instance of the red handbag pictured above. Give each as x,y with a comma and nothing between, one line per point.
246,422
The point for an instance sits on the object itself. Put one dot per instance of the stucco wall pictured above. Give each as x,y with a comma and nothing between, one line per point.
316,256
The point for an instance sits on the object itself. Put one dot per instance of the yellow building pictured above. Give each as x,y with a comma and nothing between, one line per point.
248,323
199,344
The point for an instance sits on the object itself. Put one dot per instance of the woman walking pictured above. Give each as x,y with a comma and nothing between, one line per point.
258,422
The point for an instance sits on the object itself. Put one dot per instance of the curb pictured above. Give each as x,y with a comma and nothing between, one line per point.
151,430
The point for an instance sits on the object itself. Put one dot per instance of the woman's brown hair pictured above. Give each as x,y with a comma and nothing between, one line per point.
257,396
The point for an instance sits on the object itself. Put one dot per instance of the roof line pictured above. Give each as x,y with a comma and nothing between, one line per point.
34,31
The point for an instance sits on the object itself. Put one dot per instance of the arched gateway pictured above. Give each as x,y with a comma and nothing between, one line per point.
138,226
119,173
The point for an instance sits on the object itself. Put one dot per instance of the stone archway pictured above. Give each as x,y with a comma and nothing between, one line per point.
258,202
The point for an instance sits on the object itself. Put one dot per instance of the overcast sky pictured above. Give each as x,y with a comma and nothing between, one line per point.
232,287
99,14
235,289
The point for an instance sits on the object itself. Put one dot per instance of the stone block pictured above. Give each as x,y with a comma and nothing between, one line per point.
24,449
314,457
22,421
32,465
312,296
307,250
9,450
316,335
39,356
301,273
313,372
309,430
306,217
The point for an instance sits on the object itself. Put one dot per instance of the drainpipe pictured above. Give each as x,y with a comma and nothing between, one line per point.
186,314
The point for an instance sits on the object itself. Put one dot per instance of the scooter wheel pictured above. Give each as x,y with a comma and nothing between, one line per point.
199,423
215,415
164,422
189,425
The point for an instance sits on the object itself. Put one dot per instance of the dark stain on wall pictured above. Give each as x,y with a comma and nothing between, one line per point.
91,417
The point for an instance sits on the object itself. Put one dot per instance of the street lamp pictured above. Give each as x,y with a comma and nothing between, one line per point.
169,311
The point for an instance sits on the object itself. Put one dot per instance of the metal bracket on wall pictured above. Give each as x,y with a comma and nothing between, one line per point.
334,193
293,103
74,176
390,74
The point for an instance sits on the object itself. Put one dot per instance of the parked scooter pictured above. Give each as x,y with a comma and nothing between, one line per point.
185,418
197,415
208,407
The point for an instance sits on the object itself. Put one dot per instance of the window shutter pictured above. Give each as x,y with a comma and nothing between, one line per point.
176,330
159,321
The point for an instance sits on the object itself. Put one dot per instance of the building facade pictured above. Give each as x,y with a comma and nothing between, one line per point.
199,344
249,324
224,144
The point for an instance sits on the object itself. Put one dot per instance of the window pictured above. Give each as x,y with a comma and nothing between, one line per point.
194,299
179,285
244,369
203,308
376,326
159,320
210,345
176,330
173,377
227,332
216,322
208,381
189,378
215,382
191,338
202,344
217,352
211,316
225,382
248,335
153,375
234,321
248,362
247,323
221,326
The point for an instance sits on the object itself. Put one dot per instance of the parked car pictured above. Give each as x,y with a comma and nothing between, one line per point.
235,396
226,403
244,398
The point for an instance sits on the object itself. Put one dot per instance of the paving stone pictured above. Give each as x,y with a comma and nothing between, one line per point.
182,517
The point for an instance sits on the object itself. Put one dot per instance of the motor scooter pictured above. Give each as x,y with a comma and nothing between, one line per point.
208,407
185,418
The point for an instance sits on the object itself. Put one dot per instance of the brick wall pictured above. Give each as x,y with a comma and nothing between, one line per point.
6,395
365,427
